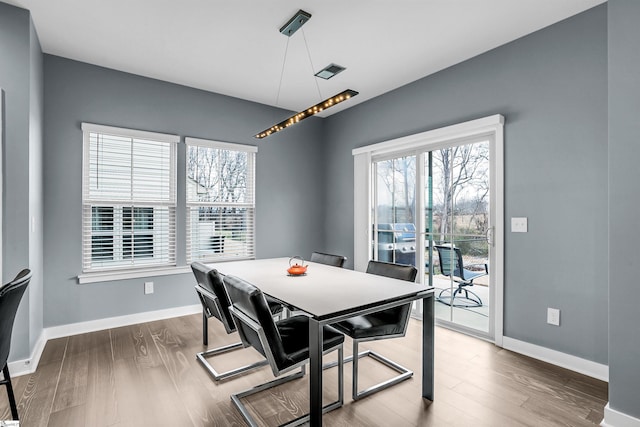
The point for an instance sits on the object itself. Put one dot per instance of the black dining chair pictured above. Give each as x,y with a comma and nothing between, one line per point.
328,259
385,324
215,303
10,297
284,343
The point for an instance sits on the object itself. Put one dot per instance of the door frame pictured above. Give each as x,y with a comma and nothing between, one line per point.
491,127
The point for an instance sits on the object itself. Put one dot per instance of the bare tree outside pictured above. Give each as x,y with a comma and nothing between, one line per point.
218,175
397,196
461,189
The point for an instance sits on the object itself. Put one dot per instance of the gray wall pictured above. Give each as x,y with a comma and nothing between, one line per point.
289,179
36,189
21,79
624,233
551,86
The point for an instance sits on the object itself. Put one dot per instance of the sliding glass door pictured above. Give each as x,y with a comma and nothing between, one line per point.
435,200
394,230
458,215
431,208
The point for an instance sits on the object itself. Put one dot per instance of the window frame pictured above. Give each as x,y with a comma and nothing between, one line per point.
119,269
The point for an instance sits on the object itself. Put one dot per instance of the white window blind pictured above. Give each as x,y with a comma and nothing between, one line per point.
128,199
220,188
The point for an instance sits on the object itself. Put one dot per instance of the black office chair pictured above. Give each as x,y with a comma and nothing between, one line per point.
451,265
285,343
389,323
328,259
215,303
10,297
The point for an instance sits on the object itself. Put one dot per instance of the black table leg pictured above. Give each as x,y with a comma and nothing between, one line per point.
428,347
315,373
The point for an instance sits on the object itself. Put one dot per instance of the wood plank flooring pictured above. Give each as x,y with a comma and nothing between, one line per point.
147,375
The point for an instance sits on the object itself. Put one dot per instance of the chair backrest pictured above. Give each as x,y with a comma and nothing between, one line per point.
261,332
211,281
10,296
328,259
395,271
450,261
398,315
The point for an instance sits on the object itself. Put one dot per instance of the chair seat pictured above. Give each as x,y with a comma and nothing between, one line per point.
378,324
294,332
469,275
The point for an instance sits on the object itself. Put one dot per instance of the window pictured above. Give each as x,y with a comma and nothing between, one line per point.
128,198
220,200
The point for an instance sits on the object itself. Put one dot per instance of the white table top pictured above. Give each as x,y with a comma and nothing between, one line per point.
325,290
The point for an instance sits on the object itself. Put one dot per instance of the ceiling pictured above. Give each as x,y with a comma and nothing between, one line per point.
233,47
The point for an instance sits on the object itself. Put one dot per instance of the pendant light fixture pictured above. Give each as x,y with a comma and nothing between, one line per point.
288,29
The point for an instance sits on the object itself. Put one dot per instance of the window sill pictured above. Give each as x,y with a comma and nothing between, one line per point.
108,276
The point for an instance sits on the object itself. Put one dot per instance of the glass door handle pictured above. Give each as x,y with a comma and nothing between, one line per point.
490,236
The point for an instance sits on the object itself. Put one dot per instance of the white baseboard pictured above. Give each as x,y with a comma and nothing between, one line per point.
613,418
564,360
28,366
116,322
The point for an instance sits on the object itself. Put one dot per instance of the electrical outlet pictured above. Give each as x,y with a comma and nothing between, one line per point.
148,288
519,225
553,316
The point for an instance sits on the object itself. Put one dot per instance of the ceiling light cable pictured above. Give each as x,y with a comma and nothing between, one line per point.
311,63
284,61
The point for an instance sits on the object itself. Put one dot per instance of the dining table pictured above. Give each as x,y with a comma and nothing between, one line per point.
330,294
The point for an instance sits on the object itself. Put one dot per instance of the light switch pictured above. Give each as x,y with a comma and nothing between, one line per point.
148,288
553,316
519,225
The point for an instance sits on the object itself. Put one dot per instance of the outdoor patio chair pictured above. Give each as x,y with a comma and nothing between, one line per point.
452,265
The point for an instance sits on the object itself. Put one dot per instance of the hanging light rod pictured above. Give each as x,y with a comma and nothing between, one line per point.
315,109
293,25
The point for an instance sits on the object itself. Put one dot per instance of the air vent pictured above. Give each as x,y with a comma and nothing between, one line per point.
329,71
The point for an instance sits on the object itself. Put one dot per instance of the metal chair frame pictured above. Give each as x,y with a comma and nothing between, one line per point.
6,381
236,397
203,355
403,372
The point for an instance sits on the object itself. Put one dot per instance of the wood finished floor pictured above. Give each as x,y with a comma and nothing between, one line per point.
147,375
